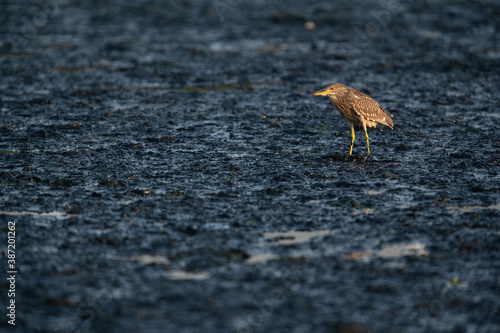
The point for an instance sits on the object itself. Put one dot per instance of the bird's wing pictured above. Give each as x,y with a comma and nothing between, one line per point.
368,109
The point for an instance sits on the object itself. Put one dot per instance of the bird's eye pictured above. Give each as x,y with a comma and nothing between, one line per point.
331,88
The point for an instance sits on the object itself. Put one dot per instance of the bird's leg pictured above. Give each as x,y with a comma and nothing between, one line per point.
353,136
367,141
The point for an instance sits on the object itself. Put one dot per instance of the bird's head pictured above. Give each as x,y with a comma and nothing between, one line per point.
328,91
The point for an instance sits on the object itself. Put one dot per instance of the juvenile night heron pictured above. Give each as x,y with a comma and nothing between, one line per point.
360,110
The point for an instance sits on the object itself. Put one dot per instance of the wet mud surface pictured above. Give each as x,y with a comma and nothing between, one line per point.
168,171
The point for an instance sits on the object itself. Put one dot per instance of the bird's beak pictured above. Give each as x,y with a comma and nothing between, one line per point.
320,93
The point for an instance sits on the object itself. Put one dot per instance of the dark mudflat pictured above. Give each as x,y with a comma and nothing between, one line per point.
169,172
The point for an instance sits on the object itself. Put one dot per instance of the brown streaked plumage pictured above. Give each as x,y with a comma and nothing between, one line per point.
360,110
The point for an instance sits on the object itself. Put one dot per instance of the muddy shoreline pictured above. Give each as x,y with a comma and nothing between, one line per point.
168,171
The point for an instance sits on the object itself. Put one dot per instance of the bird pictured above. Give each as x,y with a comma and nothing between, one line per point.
360,110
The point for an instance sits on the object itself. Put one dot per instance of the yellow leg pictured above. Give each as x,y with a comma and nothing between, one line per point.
353,136
367,141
